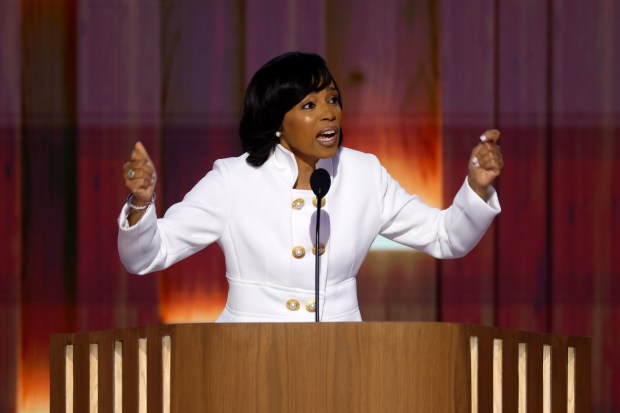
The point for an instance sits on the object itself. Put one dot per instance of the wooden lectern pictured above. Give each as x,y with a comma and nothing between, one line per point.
325,367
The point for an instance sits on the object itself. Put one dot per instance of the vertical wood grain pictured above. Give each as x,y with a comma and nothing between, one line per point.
201,86
278,26
93,399
387,69
510,374
118,376
474,367
468,76
547,379
522,244
69,390
118,81
172,74
11,207
48,102
522,380
585,286
166,355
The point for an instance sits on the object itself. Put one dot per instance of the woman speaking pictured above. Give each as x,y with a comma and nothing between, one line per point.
259,207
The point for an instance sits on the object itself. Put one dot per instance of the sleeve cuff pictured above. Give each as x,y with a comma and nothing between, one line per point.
492,204
123,224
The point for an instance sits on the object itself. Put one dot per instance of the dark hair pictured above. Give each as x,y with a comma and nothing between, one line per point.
274,90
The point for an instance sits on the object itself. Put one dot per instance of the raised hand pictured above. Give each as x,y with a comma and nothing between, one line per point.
140,176
485,163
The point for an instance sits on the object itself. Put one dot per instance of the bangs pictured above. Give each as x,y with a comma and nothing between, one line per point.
296,76
314,80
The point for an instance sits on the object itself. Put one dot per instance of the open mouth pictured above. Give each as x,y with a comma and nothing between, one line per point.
328,136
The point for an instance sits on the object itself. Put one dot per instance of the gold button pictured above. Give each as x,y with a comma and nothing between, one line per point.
311,306
299,252
321,249
298,203
323,201
292,305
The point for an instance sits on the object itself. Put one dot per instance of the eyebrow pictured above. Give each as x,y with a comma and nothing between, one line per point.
328,88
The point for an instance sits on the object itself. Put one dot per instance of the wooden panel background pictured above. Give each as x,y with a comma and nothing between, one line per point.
81,80
11,205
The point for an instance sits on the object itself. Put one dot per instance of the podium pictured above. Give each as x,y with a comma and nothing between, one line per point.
326,367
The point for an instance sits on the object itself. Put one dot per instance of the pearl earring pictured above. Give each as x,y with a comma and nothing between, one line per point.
278,134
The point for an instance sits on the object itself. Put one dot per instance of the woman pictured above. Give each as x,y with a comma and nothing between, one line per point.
259,209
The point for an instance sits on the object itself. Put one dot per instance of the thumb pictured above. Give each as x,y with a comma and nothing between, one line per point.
142,150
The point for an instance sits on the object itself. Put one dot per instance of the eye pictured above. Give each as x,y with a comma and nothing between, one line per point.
308,105
334,100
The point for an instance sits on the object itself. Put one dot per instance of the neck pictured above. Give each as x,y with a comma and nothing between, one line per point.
305,169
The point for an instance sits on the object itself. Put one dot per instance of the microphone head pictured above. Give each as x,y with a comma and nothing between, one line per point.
320,182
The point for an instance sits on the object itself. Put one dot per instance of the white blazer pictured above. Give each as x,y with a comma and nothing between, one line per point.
267,229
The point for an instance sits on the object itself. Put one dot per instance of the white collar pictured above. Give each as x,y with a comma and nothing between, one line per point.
286,165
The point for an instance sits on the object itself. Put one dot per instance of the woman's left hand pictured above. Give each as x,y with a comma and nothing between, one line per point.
485,163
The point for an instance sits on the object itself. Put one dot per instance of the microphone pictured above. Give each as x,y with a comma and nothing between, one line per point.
320,183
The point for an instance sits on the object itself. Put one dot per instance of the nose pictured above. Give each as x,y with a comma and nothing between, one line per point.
329,113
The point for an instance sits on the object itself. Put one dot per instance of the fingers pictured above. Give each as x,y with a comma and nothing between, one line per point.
490,135
139,174
487,156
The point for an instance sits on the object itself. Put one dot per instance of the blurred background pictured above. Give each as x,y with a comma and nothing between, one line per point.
82,80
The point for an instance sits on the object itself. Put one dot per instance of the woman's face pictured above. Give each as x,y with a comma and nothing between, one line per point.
311,129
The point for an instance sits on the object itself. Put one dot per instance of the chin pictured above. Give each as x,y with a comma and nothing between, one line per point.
325,153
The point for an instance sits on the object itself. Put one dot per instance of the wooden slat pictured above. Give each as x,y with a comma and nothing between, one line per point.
548,382
11,207
166,355
498,367
142,375
522,380
570,382
93,405
428,366
485,372
118,377
474,367
69,388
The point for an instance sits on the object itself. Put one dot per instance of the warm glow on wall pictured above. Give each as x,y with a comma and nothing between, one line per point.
34,388
197,306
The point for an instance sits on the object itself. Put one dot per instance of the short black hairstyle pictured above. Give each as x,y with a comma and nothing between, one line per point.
275,89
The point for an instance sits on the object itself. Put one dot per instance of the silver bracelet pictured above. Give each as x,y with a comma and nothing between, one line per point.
140,208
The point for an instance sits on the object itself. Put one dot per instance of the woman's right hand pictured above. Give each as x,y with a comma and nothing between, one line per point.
140,176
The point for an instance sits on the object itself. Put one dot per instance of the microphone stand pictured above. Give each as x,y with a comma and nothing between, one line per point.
317,261
320,182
